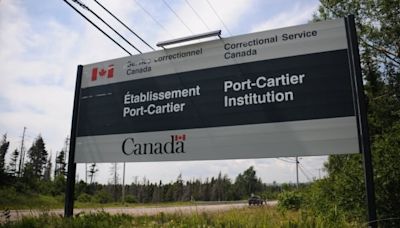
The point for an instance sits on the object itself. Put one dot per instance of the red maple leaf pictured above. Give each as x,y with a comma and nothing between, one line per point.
102,72
180,137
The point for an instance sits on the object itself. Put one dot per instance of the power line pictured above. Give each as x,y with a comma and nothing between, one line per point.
169,7
124,24
109,26
201,19
306,170
91,22
220,19
151,16
304,173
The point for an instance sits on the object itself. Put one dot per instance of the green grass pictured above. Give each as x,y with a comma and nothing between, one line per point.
246,217
15,201
31,202
49,202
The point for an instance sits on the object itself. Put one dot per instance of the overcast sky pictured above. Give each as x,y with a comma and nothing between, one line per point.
42,42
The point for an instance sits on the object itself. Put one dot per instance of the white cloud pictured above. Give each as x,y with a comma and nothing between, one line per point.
33,75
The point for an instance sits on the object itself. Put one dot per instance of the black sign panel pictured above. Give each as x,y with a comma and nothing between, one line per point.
312,86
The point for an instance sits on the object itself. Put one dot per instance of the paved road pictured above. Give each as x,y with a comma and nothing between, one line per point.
136,211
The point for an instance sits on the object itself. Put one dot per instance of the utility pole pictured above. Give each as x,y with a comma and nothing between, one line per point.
55,165
22,155
115,174
115,181
297,172
86,173
66,157
66,148
123,183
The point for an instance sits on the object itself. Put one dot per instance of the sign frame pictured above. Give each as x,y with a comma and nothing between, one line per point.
360,113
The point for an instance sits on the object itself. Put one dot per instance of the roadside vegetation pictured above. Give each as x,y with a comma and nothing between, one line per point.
50,194
337,200
247,217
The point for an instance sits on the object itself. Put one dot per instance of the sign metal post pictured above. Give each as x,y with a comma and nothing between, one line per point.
362,119
69,192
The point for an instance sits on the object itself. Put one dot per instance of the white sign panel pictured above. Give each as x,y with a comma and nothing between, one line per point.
284,92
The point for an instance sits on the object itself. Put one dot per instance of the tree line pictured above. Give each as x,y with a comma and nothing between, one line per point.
38,176
29,175
220,188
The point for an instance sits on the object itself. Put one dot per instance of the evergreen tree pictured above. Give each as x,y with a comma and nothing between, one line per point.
114,179
178,188
47,170
13,166
156,197
37,157
60,164
92,172
219,190
247,184
4,144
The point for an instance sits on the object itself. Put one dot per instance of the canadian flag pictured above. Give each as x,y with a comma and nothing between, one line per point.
180,137
103,72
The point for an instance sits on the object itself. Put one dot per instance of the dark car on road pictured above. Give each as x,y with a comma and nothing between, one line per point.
256,200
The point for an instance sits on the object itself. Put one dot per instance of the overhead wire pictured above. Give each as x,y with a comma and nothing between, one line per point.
198,16
91,22
152,17
109,26
219,18
304,173
140,38
306,170
173,11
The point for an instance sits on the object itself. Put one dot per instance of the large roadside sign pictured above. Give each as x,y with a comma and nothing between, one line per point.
283,92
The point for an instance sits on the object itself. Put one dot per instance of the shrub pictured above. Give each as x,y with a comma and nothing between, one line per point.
130,199
102,197
270,195
289,201
84,198
58,187
8,196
